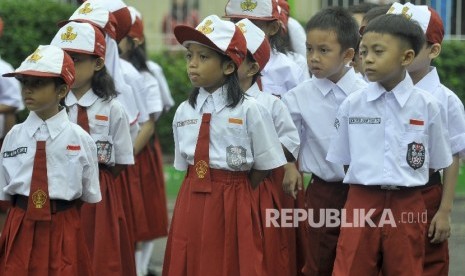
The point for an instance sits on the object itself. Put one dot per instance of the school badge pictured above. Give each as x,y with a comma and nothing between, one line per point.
68,35
39,198
201,168
248,5
86,9
103,151
34,57
337,124
416,155
235,156
206,28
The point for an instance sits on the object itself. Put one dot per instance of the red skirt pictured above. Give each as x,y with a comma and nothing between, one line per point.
44,248
105,230
152,184
215,233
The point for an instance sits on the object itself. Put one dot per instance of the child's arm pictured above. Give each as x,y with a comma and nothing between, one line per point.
143,137
292,181
439,229
256,176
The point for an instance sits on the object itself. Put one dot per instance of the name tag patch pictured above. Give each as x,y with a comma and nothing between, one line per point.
13,153
236,121
364,121
187,122
417,122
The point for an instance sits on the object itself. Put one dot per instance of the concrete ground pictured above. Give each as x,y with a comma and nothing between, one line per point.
456,241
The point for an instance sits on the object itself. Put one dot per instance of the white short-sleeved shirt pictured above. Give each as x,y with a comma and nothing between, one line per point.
166,97
297,36
313,107
281,74
72,167
10,92
453,106
390,138
285,128
108,126
134,79
152,96
241,138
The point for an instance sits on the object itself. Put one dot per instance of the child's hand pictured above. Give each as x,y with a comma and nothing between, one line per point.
292,181
439,230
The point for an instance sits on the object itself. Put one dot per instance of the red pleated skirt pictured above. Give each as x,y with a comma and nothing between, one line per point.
215,233
44,248
106,232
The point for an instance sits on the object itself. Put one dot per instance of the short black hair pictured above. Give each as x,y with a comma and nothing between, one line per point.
375,12
340,21
398,25
361,8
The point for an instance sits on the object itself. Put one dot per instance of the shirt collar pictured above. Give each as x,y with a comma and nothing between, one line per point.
219,98
54,124
253,91
324,85
401,92
431,80
344,84
86,100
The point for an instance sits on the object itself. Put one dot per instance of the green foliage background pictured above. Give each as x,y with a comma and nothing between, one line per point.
29,23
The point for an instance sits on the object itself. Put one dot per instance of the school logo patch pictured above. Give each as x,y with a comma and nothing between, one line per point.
336,123
104,149
248,5
416,155
68,35
13,153
235,156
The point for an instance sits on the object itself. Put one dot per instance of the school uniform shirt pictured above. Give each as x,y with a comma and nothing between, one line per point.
72,168
108,125
313,107
390,138
10,93
453,106
134,79
241,138
297,36
284,126
152,96
281,74
166,97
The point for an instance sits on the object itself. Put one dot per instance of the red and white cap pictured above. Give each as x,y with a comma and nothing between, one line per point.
257,43
47,61
93,12
220,35
428,18
283,9
265,10
137,28
123,17
82,38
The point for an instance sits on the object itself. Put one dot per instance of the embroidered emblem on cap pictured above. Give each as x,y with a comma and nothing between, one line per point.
86,9
405,12
39,198
206,29
248,5
68,35
416,155
242,27
34,57
201,168
235,156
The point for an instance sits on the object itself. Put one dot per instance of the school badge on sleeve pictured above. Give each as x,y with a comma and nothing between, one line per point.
416,155
235,156
103,151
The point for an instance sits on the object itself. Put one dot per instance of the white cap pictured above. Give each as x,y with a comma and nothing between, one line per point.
252,9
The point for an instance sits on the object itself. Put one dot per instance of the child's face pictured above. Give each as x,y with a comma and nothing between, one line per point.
384,58
324,56
85,67
204,67
40,95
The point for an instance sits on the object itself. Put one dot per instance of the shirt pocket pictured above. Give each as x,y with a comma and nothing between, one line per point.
414,150
101,125
237,151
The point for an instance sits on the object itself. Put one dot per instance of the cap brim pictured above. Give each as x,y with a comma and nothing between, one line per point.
250,17
185,34
32,73
71,50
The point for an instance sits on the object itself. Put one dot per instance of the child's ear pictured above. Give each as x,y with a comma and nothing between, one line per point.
99,63
273,27
408,57
254,68
434,50
349,55
62,91
228,67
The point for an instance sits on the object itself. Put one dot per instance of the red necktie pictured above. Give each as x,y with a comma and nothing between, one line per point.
202,180
82,119
38,206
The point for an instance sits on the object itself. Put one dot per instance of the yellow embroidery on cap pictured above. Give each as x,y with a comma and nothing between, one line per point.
34,57
206,29
248,5
405,11
68,35
242,27
391,10
39,198
201,168
86,9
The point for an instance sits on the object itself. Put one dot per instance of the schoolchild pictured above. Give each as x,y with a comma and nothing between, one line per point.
438,198
270,195
332,36
227,143
92,105
48,169
281,73
391,137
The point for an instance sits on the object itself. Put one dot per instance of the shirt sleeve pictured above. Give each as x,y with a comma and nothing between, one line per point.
4,179
180,163
120,133
339,149
287,131
90,180
438,142
291,102
153,102
456,120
